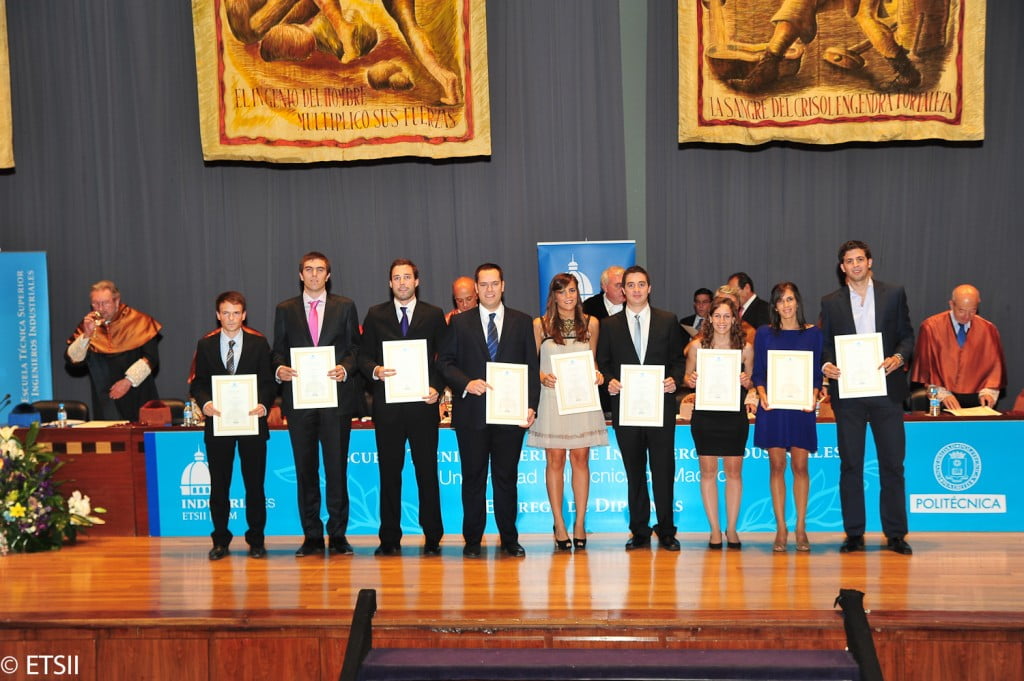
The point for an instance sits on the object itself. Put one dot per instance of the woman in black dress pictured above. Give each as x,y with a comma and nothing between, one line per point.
722,433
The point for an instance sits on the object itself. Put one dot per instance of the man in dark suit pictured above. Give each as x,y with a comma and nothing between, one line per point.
317,318
494,333
611,298
404,317
641,334
866,305
753,310
604,304
233,350
701,308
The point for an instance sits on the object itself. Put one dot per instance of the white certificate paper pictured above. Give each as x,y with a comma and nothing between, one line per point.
508,401
235,396
411,382
642,398
791,379
718,379
575,390
859,358
312,388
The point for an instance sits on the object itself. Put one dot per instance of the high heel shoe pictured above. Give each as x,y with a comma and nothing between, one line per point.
715,546
579,543
737,545
803,544
780,542
561,544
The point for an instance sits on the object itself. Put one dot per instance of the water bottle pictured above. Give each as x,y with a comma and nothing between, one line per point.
186,414
934,405
62,416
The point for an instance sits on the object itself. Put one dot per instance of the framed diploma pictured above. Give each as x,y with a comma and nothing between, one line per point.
312,388
508,401
791,379
642,398
411,381
575,390
859,358
235,396
718,379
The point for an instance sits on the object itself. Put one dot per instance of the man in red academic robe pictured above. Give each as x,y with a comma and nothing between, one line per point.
960,352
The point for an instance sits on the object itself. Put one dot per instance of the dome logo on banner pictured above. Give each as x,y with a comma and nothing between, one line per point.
957,466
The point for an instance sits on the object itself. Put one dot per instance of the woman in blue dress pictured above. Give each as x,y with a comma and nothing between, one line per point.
777,430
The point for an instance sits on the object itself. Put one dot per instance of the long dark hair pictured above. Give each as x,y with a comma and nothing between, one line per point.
737,339
773,315
551,324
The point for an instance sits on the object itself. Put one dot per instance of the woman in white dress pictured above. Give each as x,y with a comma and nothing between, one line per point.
564,328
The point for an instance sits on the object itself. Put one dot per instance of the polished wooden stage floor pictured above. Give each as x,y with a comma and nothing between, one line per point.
955,609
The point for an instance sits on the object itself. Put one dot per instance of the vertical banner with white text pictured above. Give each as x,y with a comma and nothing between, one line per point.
25,368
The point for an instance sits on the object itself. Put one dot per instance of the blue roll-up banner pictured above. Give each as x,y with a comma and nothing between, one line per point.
961,477
585,260
25,368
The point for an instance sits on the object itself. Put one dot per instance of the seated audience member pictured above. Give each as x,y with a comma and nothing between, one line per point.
753,309
701,305
463,297
961,353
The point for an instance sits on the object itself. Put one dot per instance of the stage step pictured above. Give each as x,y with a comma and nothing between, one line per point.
454,664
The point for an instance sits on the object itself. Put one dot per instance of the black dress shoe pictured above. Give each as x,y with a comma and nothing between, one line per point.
388,550
635,543
218,552
668,543
340,546
471,550
310,547
432,548
851,544
899,545
258,552
513,549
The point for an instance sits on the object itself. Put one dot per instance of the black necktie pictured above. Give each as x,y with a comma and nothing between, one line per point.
231,357
404,323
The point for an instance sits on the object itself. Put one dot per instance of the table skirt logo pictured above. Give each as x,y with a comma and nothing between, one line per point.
195,477
957,466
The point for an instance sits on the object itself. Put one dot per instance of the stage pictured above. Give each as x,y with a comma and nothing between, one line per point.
156,608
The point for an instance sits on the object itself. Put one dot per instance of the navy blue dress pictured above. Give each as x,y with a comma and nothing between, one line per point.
785,427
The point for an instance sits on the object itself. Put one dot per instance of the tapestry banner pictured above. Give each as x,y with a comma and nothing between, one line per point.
6,126
301,81
831,71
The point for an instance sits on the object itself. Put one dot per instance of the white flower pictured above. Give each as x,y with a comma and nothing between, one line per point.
11,448
6,433
79,504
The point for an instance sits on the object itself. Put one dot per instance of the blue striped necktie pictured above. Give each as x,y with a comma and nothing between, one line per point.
492,337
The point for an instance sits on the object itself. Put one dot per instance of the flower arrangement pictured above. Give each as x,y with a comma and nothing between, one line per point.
33,514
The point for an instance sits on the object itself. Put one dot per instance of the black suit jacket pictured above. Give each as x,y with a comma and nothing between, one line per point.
340,328
381,324
892,319
253,359
463,357
759,313
594,306
664,346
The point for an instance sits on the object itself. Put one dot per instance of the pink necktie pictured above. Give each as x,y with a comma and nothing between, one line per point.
314,321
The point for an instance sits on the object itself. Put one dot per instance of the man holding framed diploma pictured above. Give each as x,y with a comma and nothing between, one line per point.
856,360
234,384
316,342
640,353
397,353
490,427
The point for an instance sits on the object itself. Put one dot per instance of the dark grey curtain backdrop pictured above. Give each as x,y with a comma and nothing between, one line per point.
934,214
110,181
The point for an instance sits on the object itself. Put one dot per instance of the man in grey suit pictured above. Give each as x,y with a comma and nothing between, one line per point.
319,318
866,305
641,334
492,333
